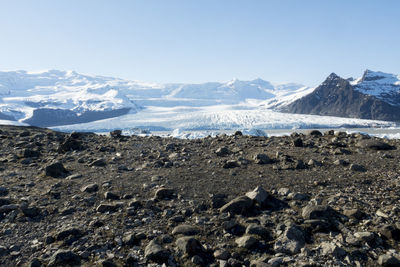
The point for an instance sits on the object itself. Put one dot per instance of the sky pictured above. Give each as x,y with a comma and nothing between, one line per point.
200,41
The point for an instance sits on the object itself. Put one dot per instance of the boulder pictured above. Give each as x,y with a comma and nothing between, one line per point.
291,241
64,258
156,252
258,195
185,229
239,205
56,170
189,245
374,144
246,241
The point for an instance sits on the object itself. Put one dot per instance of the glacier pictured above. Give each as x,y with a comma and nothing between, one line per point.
70,101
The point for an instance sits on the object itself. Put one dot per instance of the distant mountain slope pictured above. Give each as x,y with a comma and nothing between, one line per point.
337,97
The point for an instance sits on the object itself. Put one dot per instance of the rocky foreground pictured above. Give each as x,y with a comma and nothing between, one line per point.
82,199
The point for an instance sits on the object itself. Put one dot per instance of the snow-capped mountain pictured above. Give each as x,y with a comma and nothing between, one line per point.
383,86
60,97
375,96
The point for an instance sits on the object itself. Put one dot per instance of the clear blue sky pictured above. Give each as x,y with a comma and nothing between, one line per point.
202,40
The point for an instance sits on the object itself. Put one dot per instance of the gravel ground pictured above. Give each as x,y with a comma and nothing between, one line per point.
313,199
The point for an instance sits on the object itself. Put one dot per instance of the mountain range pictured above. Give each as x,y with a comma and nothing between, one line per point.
56,98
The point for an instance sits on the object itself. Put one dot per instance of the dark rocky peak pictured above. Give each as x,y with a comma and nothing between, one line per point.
332,80
333,83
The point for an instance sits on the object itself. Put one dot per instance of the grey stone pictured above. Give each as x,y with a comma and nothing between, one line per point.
65,233
156,253
246,241
106,208
3,251
164,193
390,232
63,258
185,229
222,151
364,236
222,254
8,208
238,205
310,212
298,142
259,195
354,213
357,168
291,241
56,170
90,188
332,249
262,159
374,144
111,196
229,164
3,191
284,191
30,212
388,260
130,239
98,163
189,245
255,229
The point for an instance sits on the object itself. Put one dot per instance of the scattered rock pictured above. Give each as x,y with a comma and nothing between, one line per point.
314,133
111,196
298,142
185,229
388,260
390,232
258,195
239,205
106,208
164,193
229,164
222,151
64,258
3,191
332,249
90,188
246,241
56,170
98,163
317,212
255,229
357,168
354,213
156,253
291,241
262,159
374,144
189,245
364,236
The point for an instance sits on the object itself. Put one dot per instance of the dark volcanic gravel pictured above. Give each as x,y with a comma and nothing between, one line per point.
81,199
